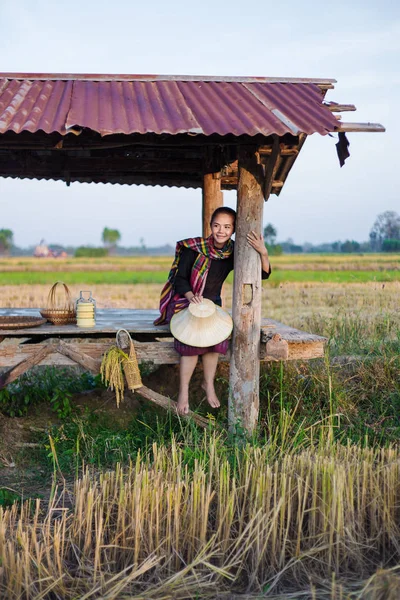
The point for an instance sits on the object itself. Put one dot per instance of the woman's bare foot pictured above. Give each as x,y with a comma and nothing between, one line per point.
212,398
183,403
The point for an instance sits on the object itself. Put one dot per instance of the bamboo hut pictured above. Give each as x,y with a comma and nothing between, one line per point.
209,133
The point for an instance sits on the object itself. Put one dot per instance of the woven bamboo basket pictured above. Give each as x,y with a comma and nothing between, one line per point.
59,312
20,322
129,360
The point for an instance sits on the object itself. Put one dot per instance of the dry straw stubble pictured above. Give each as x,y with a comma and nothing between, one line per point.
237,523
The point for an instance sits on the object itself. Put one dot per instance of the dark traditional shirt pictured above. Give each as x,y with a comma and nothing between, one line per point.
219,271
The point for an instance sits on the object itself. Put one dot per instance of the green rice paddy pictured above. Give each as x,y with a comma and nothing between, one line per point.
159,277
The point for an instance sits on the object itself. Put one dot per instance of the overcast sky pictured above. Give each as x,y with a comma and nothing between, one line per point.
357,43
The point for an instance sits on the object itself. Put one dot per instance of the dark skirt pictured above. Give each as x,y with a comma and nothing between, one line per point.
186,350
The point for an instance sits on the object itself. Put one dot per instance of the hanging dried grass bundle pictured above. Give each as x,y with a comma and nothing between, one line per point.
116,363
111,372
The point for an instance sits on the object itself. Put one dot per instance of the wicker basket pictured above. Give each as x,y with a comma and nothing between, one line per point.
19,322
56,314
129,361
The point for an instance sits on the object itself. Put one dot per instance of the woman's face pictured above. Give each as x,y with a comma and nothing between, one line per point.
222,229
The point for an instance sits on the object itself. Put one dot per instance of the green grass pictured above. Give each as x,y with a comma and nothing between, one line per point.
159,277
84,277
327,409
355,401
281,276
53,385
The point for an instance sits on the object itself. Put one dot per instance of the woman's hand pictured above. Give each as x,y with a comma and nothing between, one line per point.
256,241
194,298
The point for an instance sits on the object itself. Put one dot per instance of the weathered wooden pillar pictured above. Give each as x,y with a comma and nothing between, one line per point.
212,199
246,304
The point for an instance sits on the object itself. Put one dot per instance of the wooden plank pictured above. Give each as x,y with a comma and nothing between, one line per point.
276,348
13,373
246,305
107,321
267,151
124,77
105,313
212,199
16,346
290,334
88,353
307,351
169,404
135,317
360,127
158,353
231,183
333,107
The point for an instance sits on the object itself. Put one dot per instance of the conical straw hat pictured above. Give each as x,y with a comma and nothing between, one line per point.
201,325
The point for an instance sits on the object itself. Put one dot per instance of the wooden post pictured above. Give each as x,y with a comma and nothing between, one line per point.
246,304
212,199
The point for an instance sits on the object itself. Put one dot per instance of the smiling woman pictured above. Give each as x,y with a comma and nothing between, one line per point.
222,226
200,268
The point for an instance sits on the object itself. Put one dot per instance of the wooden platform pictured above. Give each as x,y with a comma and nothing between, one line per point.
20,349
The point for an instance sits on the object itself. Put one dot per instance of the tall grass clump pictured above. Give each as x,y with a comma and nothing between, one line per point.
354,398
234,522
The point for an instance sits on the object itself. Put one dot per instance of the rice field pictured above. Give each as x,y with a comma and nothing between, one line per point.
154,270
292,302
252,522
308,509
304,262
85,278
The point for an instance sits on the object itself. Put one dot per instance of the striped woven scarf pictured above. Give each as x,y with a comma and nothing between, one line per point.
206,252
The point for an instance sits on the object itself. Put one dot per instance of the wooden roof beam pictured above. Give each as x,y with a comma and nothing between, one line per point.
267,150
360,127
320,81
271,167
334,107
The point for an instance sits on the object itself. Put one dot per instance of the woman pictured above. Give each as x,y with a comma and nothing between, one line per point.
200,268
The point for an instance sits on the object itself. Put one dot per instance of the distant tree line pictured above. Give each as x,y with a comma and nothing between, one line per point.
110,238
385,233
384,237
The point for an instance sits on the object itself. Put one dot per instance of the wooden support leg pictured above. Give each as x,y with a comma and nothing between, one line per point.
246,305
212,199
165,402
33,360
86,361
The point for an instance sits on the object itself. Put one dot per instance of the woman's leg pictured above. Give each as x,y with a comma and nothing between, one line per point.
210,361
187,366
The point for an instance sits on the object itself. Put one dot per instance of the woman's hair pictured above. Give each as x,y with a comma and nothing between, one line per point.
225,210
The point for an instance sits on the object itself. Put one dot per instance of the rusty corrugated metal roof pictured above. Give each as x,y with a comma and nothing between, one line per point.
27,105
127,104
